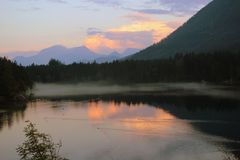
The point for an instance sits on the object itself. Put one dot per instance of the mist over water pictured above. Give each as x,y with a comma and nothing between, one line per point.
101,88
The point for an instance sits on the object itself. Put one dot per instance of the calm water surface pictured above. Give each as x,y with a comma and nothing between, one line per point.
138,128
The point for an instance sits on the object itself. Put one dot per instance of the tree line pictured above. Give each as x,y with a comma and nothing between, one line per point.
214,67
14,80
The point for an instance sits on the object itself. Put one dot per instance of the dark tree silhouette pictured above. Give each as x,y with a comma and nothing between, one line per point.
215,67
14,80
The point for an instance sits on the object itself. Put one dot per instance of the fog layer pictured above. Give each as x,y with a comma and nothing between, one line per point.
98,88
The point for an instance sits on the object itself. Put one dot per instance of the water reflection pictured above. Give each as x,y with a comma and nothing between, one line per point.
11,113
133,127
139,119
215,117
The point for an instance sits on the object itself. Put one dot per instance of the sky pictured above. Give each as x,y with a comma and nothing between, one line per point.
101,25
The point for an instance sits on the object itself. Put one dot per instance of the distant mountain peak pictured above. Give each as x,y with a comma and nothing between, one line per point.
61,53
71,55
84,47
55,47
115,53
131,49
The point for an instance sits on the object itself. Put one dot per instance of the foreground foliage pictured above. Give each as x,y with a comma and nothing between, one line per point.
38,146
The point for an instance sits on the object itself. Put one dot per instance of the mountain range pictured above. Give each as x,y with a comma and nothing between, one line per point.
216,27
71,55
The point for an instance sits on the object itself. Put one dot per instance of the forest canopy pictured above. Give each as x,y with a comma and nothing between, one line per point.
212,67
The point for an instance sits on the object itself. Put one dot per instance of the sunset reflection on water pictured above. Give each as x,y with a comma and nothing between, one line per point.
140,119
105,130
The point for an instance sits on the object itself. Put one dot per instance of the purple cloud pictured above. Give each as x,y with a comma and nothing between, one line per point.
175,7
114,3
141,37
58,1
153,11
161,7
138,17
93,31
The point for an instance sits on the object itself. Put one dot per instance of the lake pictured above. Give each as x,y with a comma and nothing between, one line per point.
143,125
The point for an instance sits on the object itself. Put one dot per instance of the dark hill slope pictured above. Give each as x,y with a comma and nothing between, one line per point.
215,27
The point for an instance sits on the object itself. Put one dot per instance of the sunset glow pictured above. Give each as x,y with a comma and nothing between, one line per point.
103,26
135,35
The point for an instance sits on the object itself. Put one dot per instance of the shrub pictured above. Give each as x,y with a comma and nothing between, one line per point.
38,146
